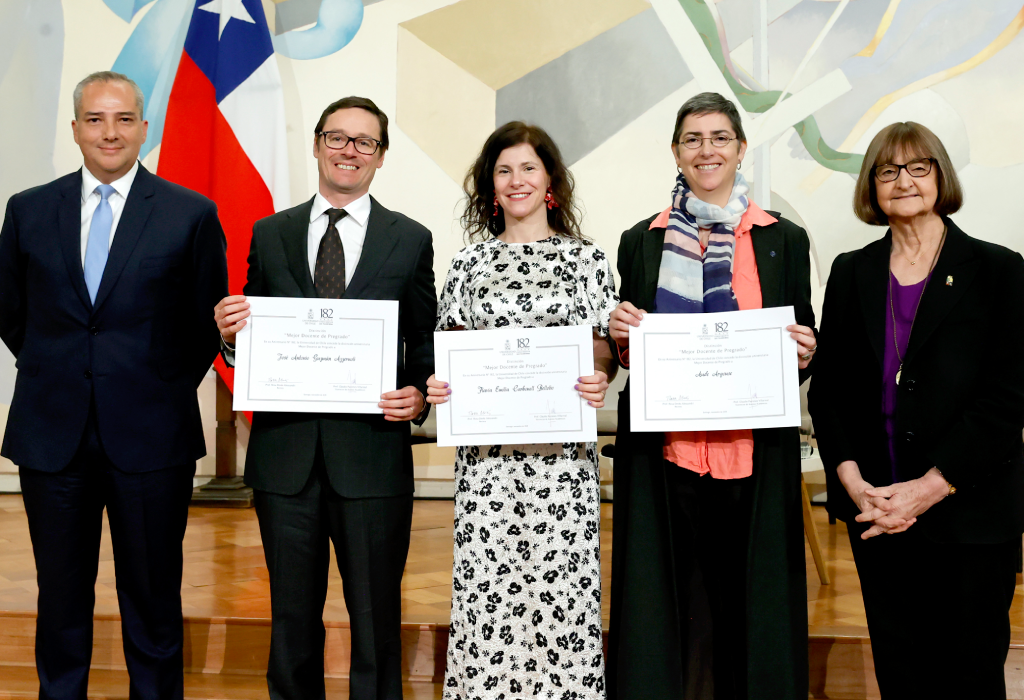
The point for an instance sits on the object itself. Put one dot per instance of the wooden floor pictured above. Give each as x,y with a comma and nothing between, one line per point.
225,578
225,574
20,683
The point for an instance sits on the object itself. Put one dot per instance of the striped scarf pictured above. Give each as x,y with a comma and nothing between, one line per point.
690,282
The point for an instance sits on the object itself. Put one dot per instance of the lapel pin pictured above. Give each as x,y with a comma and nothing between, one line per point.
949,281
772,253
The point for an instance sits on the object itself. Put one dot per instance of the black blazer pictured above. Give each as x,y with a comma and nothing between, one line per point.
960,405
645,658
365,455
139,352
781,251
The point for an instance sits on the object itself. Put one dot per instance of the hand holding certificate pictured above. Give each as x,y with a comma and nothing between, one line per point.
316,355
714,371
514,386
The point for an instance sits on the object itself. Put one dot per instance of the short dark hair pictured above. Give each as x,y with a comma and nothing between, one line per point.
357,103
709,103
913,140
479,219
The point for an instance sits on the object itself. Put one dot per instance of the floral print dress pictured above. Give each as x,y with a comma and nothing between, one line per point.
526,580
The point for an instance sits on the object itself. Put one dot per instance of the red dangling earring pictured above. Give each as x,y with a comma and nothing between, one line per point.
550,199
495,205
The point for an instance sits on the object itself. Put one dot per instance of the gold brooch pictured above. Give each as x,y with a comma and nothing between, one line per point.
949,281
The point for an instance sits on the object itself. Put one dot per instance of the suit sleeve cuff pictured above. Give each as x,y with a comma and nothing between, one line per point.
227,351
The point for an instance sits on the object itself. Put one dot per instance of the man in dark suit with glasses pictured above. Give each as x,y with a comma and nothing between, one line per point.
346,479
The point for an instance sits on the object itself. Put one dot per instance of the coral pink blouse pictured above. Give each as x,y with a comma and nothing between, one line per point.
725,454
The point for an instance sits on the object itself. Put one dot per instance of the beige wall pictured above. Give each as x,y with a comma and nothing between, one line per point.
974,107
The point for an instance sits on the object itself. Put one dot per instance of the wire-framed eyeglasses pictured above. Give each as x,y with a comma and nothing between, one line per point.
887,172
693,142
335,140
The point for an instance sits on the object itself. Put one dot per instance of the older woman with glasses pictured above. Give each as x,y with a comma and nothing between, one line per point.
708,577
918,407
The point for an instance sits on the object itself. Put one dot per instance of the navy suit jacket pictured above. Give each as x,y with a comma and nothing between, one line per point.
139,352
365,456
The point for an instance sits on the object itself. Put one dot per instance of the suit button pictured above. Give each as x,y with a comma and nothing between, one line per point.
910,384
88,374
908,436
94,330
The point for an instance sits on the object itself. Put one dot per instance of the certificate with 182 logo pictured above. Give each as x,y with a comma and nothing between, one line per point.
515,386
316,355
721,371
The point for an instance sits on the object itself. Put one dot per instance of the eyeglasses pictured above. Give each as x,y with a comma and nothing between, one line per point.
887,172
335,140
693,142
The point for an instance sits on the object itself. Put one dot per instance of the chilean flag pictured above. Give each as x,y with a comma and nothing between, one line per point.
224,133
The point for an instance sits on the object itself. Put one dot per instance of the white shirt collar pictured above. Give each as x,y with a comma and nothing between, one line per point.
358,210
122,185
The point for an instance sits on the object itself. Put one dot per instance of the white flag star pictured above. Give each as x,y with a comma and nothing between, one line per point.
228,9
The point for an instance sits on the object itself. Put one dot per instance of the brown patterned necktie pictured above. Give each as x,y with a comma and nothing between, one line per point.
329,275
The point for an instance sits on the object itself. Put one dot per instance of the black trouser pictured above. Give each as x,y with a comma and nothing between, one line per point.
938,614
710,521
371,542
147,514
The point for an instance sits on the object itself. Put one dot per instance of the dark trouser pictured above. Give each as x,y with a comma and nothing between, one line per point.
938,614
710,521
371,542
147,514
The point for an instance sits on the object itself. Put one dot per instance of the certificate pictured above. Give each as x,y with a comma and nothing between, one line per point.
316,355
721,371
515,386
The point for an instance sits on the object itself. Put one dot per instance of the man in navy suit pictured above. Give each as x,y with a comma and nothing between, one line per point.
108,278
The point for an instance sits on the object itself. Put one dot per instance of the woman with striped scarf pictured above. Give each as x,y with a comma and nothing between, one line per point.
708,576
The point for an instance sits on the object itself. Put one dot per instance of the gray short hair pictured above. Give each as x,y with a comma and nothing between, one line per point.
709,103
107,76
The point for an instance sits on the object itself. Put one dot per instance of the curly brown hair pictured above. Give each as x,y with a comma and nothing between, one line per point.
478,218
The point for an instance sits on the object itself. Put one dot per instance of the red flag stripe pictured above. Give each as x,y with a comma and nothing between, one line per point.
200,151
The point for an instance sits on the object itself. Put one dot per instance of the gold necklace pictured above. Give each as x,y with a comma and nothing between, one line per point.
892,309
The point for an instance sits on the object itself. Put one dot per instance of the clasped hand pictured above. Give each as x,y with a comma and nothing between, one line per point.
893,509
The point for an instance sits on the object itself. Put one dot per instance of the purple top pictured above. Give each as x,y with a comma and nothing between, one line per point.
904,305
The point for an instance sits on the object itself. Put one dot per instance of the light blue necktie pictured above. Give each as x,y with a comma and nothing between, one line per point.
99,241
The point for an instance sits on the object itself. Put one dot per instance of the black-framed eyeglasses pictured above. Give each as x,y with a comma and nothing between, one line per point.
693,142
887,172
335,140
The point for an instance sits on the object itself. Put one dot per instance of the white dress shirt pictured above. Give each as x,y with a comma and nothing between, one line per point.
91,199
352,229
353,234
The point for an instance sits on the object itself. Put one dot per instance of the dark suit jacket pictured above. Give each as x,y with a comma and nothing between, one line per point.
645,657
365,455
960,405
139,352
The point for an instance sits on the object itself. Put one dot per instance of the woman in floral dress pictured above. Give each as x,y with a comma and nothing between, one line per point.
526,583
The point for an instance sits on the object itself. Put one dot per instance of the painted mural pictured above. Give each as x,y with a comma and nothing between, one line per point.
604,77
